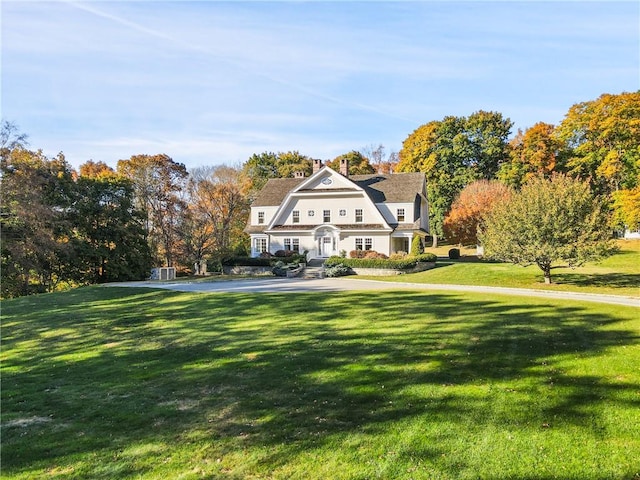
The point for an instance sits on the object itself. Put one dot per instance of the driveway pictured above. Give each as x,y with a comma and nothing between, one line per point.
295,285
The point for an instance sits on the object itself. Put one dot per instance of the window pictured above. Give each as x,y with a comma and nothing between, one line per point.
296,216
311,213
358,215
326,216
364,244
401,215
260,245
292,244
260,217
343,213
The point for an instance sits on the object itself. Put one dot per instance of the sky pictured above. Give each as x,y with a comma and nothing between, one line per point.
212,82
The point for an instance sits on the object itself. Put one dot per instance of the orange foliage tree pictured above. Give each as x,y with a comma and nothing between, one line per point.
468,209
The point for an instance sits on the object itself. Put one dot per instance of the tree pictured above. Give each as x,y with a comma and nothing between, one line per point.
376,156
626,208
453,153
157,182
536,152
99,169
11,139
603,137
261,167
358,163
35,230
474,202
109,238
548,221
217,212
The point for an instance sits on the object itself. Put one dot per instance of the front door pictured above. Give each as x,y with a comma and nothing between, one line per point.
327,247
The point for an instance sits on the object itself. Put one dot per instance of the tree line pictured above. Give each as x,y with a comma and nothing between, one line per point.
98,224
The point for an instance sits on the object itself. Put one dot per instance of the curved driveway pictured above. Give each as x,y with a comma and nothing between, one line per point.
294,285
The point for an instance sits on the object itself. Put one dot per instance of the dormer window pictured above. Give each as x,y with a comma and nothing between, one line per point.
400,215
260,217
295,216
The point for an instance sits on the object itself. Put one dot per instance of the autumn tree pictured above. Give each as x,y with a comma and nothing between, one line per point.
547,221
474,202
217,212
452,153
99,169
626,208
358,163
11,138
158,181
34,227
603,136
536,152
379,160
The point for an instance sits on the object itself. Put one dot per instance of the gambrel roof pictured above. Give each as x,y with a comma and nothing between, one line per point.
393,188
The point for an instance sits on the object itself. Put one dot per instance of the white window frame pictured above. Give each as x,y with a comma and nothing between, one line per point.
368,243
400,214
359,215
359,244
295,216
260,218
343,212
260,245
326,216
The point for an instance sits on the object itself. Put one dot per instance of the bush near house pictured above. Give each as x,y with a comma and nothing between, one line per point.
406,263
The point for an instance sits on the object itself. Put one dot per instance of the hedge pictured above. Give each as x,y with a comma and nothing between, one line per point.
406,263
246,261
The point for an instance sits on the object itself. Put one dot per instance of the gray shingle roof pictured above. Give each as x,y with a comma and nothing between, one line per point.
394,188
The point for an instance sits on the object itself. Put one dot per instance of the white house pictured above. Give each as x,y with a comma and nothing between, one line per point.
330,212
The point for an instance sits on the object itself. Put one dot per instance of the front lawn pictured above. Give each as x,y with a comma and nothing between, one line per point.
616,275
108,383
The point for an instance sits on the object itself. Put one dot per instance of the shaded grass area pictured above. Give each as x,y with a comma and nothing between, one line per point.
616,275
137,383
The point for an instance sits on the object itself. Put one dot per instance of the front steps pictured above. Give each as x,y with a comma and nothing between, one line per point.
314,269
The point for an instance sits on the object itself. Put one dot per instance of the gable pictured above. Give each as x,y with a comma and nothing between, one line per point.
388,188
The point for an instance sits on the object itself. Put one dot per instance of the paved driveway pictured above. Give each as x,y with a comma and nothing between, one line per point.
280,285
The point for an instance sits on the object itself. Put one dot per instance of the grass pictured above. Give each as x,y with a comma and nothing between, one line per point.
616,275
135,383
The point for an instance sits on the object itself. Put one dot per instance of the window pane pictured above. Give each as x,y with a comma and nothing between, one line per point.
296,216
326,216
358,244
358,215
368,243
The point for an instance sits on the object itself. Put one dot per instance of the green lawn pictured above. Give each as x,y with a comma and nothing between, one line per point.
616,275
108,383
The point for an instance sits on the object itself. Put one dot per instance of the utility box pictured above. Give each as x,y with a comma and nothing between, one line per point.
163,273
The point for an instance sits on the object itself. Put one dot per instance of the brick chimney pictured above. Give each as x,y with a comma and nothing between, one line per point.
317,165
299,174
344,167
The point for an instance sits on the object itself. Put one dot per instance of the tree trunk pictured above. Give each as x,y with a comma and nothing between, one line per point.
546,271
434,243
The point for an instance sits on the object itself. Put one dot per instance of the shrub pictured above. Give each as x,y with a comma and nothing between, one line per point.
357,253
285,253
416,245
337,270
374,254
406,263
454,253
246,261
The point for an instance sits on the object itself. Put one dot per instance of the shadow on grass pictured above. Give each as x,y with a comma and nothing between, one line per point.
612,280
115,367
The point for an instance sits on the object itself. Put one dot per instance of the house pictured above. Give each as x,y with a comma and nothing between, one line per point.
331,212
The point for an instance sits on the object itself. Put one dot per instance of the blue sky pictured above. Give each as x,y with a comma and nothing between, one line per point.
210,82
